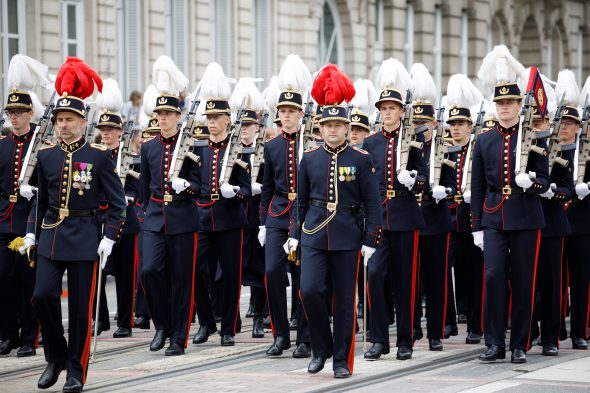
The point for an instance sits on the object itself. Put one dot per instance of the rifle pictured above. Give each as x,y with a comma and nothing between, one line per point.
439,152
306,139
40,136
91,126
125,159
407,138
526,136
376,124
466,181
555,147
258,158
584,150
185,143
235,149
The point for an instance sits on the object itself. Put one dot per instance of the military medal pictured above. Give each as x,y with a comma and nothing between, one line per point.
82,177
352,172
341,177
347,170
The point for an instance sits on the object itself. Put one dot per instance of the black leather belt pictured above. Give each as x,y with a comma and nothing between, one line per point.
331,206
506,190
396,193
289,195
210,197
169,197
12,198
73,212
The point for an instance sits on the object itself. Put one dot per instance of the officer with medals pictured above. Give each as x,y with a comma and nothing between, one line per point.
72,178
398,251
506,211
221,213
335,181
170,224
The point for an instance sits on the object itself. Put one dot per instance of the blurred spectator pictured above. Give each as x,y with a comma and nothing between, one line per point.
131,108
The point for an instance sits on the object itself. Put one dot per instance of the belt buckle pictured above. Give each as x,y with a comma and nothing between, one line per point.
506,191
458,198
13,198
64,212
292,196
214,197
167,198
331,206
390,194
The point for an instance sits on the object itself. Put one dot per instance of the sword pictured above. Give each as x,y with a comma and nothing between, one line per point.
365,307
98,291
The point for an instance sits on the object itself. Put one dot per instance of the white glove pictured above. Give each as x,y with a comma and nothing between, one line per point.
179,185
228,191
29,241
467,196
407,178
129,199
105,248
439,193
262,235
549,193
478,239
583,190
290,245
367,253
524,180
256,188
27,191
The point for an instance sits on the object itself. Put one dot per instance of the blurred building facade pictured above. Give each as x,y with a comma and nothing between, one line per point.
122,38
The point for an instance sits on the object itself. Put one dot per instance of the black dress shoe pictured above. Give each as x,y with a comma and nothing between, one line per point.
434,344
376,351
102,327
266,322
25,351
278,346
73,385
174,350
203,334
50,375
579,343
451,330
461,318
227,341
492,354
302,351
257,328
159,340
550,350
404,353
418,334
341,372
293,324
473,338
7,346
122,332
317,364
518,356
250,312
141,322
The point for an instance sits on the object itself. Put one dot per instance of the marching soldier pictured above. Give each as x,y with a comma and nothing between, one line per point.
506,211
72,178
359,127
335,181
221,213
398,250
170,224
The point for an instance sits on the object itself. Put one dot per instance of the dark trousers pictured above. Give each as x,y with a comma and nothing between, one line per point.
397,253
124,257
468,263
516,252
168,277
141,306
579,274
549,288
17,281
46,301
276,265
342,269
227,245
434,260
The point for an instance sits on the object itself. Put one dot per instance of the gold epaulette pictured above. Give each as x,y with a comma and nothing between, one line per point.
47,145
311,149
99,146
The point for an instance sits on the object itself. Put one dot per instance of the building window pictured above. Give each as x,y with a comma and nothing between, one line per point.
262,40
580,55
379,29
409,45
13,33
330,36
222,47
437,50
72,14
176,28
128,46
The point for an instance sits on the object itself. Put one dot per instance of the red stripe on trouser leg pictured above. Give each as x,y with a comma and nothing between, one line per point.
86,352
192,298
239,283
353,340
134,287
272,326
302,305
533,287
368,293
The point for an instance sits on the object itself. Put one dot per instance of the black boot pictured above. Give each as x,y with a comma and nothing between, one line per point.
278,346
203,334
50,375
257,328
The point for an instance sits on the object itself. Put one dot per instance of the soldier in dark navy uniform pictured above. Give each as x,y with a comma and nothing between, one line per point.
18,325
169,232
221,221
72,178
507,217
335,181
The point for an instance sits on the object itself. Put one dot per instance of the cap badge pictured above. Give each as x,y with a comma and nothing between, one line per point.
162,100
504,90
65,102
454,112
333,111
13,98
288,95
419,110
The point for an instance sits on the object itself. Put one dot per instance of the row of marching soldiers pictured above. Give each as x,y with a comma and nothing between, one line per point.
332,198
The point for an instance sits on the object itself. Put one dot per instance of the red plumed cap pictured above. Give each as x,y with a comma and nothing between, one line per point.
331,86
76,78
